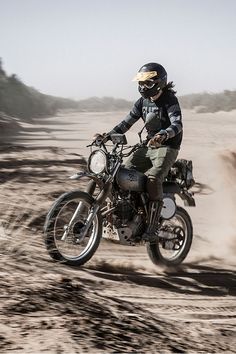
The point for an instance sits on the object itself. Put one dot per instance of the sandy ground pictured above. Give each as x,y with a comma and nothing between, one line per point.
119,302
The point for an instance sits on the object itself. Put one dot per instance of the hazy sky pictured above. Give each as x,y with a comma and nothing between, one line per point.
81,48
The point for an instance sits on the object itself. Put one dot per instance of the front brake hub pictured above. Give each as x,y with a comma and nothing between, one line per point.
77,230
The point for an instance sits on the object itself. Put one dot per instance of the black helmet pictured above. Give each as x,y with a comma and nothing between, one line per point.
152,78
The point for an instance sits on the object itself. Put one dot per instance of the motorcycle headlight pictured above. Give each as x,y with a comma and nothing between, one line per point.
97,162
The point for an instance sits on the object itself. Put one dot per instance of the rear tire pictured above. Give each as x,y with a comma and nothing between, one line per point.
55,226
155,250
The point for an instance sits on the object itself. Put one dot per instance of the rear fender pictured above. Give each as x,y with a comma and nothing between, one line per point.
188,198
174,188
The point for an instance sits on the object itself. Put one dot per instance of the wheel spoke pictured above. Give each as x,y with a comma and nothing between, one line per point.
173,243
71,217
65,238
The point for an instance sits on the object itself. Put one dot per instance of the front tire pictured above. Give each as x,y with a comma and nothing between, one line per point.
69,249
179,246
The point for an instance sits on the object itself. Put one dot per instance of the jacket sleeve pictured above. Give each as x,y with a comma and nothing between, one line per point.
175,117
130,119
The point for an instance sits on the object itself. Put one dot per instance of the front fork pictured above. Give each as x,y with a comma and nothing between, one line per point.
90,190
91,187
96,206
67,228
93,211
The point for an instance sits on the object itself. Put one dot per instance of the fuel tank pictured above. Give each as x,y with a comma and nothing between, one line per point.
131,180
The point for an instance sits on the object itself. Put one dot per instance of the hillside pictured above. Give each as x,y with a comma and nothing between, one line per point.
210,102
20,100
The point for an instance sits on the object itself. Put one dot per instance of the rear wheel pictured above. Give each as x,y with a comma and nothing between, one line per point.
64,229
174,240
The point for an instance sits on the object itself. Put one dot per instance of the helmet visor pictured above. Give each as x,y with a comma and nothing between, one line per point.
146,75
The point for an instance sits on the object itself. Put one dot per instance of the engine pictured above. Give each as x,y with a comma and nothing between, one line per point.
126,223
123,213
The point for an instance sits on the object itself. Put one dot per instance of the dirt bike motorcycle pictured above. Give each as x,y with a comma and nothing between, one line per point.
115,206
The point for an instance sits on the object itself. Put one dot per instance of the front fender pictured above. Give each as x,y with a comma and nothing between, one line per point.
92,177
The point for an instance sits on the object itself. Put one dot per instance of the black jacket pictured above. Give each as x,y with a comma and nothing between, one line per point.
168,117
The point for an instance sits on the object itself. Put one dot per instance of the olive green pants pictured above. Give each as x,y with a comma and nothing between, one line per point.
155,163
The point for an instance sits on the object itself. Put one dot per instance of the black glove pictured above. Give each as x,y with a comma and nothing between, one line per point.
101,138
106,137
158,139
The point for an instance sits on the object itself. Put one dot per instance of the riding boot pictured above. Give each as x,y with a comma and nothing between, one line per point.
154,213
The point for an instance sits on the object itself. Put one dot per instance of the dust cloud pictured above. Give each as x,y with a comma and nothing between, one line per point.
209,142
220,209
228,162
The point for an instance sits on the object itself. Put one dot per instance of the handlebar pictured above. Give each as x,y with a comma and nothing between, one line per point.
134,148
100,141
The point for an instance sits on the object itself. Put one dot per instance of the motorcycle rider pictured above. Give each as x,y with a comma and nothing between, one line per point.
164,137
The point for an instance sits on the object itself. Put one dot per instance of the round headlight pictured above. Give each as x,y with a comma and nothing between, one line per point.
97,162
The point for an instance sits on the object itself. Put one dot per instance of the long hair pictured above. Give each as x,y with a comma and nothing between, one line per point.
170,85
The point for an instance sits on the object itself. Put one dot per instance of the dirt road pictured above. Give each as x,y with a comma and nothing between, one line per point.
118,302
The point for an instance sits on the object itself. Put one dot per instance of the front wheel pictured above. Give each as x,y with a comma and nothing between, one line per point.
174,240
64,227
